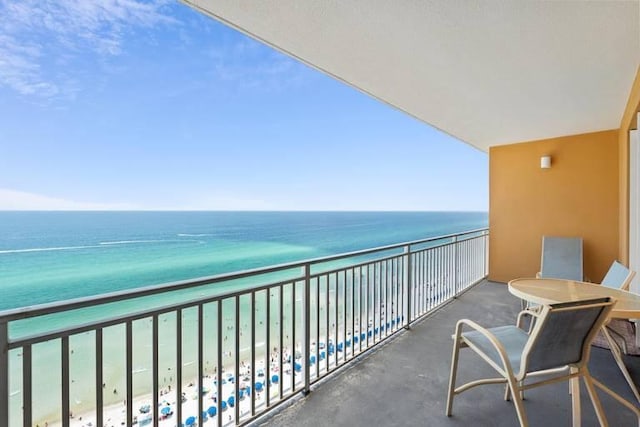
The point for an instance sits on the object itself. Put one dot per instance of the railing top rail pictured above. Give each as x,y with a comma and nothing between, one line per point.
82,302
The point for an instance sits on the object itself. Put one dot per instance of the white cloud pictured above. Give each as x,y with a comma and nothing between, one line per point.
13,200
31,28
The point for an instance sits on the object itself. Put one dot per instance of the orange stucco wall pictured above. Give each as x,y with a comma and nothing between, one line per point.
578,196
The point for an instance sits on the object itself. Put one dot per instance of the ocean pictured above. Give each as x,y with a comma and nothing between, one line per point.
54,256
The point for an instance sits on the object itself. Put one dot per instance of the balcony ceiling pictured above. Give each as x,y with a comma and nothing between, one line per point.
488,73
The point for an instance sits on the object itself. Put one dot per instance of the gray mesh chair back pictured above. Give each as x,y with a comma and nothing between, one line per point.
563,334
618,277
561,258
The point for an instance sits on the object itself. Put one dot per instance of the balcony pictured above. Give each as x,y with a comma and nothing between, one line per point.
404,382
163,355
355,339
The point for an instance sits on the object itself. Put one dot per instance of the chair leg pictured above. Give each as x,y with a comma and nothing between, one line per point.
597,406
574,391
452,375
615,351
517,401
507,395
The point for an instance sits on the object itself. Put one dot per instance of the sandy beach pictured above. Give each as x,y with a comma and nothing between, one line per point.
115,415
267,366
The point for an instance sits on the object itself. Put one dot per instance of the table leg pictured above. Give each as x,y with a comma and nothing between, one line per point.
617,355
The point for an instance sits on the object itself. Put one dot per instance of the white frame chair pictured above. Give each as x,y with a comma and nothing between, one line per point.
618,277
561,258
559,343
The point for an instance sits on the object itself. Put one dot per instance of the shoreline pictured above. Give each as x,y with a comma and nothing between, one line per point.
114,415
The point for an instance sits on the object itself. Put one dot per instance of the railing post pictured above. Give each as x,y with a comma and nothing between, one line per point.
456,266
409,275
485,233
307,328
4,374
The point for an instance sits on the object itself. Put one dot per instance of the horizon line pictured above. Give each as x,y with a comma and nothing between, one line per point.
242,210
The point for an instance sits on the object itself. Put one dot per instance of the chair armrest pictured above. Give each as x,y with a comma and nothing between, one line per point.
527,312
506,368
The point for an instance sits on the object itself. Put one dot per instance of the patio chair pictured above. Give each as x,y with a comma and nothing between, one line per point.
622,331
557,346
618,277
561,258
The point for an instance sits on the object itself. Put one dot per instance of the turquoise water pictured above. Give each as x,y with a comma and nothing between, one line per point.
51,256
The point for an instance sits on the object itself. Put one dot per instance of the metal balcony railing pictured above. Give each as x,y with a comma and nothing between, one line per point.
191,352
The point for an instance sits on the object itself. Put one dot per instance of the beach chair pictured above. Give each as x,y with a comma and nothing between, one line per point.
557,346
561,258
622,331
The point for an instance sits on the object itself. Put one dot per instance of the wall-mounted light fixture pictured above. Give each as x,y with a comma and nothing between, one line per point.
545,162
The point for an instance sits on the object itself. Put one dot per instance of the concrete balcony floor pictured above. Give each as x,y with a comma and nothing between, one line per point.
404,382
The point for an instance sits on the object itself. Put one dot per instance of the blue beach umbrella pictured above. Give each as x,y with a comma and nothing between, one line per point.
204,416
322,355
165,410
388,325
297,367
340,346
190,421
355,339
258,386
231,401
370,333
376,331
275,379
240,393
363,336
223,405
248,390
348,343
312,359
212,411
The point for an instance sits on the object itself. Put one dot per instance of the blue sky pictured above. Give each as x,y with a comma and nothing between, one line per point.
150,105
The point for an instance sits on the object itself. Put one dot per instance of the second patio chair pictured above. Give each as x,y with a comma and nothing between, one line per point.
622,331
618,277
558,344
561,258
